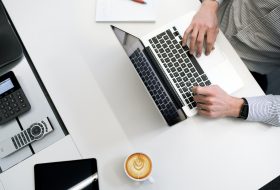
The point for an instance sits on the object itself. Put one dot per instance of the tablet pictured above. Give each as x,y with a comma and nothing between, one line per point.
72,175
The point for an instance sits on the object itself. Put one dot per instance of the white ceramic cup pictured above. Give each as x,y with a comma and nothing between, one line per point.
148,177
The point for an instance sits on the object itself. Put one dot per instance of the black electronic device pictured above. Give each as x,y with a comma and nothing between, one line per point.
72,175
272,185
33,133
13,101
10,47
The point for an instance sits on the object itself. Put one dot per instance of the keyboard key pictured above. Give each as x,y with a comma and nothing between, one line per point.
201,84
169,33
186,60
208,83
192,80
182,74
179,69
176,33
194,104
179,79
195,64
178,46
160,35
155,40
204,77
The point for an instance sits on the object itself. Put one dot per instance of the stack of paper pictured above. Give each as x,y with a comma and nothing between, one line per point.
125,11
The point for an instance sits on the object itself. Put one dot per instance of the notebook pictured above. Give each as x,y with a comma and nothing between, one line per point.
125,11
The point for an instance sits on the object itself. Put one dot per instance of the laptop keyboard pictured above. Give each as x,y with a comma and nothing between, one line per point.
154,86
180,66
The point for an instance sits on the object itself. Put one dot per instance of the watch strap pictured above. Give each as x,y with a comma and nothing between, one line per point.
244,111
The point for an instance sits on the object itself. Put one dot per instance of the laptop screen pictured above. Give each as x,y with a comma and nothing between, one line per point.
129,42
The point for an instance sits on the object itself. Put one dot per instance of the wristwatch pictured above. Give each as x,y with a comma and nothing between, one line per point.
244,111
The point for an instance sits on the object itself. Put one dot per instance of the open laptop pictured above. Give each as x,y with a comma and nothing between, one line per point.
169,72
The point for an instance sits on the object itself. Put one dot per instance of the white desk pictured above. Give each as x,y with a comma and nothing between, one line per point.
108,114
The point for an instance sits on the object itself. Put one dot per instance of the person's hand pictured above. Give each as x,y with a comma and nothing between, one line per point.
214,102
204,27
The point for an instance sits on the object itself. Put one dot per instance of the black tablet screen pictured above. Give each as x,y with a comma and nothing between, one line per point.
76,174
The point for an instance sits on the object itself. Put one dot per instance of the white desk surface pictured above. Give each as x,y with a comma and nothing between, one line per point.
108,113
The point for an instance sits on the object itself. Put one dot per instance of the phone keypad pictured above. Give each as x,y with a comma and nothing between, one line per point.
13,105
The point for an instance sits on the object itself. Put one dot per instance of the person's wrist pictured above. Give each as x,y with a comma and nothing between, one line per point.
211,4
235,106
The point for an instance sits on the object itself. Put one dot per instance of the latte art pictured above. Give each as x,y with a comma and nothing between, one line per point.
138,166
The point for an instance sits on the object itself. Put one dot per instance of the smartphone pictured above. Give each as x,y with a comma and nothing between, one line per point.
68,175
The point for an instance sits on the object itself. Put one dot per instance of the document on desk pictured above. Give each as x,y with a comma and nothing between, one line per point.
125,11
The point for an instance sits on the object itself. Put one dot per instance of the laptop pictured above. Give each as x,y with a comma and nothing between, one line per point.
169,71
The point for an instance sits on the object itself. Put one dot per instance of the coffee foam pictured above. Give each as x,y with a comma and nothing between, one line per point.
138,166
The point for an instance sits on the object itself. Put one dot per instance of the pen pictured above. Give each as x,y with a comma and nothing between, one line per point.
139,1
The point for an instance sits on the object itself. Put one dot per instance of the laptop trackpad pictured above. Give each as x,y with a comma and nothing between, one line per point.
220,71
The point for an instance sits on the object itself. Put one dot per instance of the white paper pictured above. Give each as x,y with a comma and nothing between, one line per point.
125,11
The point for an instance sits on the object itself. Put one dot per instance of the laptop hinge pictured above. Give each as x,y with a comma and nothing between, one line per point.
164,78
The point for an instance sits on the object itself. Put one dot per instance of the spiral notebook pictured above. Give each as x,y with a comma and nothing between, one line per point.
125,11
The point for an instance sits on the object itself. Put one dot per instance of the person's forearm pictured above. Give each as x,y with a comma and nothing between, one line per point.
264,109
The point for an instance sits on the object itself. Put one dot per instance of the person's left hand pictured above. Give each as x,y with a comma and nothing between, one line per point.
214,102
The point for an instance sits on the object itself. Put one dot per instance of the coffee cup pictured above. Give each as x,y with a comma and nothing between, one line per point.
138,167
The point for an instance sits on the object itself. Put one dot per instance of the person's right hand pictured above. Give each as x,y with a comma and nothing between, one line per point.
204,27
